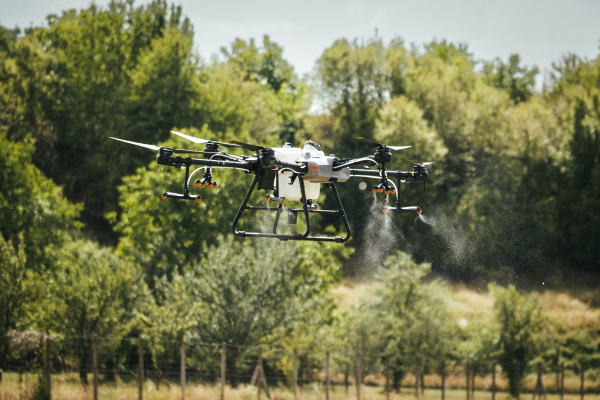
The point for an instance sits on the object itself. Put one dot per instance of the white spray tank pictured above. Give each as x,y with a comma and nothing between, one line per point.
291,154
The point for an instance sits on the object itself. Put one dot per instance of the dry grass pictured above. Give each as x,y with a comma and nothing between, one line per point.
349,293
64,389
569,313
565,311
469,304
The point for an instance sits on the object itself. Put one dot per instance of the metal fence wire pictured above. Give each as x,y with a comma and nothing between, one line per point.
44,366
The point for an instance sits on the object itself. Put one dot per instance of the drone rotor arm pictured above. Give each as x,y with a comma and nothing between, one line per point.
248,146
363,160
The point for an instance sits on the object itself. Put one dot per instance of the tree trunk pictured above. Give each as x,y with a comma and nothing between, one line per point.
231,361
83,362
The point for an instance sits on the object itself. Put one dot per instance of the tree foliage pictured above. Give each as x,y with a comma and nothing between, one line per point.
34,215
521,320
94,294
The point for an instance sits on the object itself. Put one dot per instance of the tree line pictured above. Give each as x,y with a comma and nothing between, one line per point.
87,247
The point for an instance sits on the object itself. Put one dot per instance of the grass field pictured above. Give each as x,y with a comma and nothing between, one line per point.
66,387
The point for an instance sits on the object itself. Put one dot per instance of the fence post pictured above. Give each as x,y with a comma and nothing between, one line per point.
473,374
346,382
327,376
494,381
582,389
443,380
562,380
223,368
141,369
539,385
417,377
48,366
183,367
358,374
95,365
557,370
295,373
467,378
387,376
258,368
518,368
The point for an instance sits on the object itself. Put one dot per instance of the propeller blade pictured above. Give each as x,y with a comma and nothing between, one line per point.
198,140
152,147
190,138
369,142
424,164
147,146
372,143
248,146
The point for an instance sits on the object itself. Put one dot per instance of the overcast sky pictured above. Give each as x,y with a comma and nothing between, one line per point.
541,31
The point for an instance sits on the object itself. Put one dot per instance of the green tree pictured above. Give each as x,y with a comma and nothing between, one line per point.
418,332
517,80
70,85
94,293
163,87
581,190
266,66
34,216
173,317
520,321
357,345
18,289
252,290
260,64
353,81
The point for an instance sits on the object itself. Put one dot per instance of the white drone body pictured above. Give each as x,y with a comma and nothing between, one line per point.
319,170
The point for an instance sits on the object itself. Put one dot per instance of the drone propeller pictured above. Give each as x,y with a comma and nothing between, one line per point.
248,146
198,140
152,147
372,143
422,164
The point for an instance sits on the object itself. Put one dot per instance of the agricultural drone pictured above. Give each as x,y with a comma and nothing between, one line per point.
289,174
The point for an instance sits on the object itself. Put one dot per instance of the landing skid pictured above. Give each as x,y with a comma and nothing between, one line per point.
306,209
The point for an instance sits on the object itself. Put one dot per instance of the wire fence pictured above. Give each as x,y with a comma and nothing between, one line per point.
41,366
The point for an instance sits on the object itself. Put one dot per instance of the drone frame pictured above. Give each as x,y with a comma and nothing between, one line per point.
266,168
